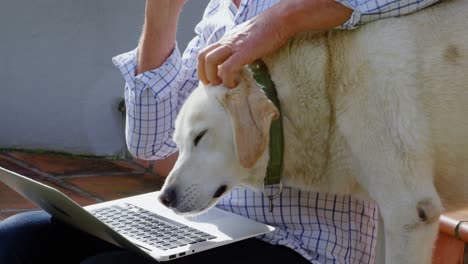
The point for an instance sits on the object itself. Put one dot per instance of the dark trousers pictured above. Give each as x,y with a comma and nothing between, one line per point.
36,237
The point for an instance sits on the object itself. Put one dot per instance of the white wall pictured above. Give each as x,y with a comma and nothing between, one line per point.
58,87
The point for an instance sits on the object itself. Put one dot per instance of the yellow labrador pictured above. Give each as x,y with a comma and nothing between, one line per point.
380,111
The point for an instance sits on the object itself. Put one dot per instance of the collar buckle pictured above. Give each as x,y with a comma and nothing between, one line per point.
271,197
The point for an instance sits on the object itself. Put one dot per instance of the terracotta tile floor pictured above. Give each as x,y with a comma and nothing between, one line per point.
85,180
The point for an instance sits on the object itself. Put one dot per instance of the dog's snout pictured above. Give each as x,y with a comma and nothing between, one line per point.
220,191
168,198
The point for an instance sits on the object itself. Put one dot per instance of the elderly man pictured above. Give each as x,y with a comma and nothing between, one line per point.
311,227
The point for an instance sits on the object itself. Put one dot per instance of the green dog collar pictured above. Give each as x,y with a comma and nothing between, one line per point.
275,163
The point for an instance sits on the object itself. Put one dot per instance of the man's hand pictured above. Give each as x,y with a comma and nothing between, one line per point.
263,34
248,41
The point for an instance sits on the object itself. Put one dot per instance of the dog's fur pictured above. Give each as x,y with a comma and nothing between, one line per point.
380,111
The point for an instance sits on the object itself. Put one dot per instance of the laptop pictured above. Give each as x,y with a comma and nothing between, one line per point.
140,223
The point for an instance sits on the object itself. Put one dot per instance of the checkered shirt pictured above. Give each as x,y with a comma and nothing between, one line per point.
324,228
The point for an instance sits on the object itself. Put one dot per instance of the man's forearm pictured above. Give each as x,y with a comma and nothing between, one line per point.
310,15
159,33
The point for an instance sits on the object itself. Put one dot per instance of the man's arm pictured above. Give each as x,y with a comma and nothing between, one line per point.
221,62
264,34
158,79
159,33
152,80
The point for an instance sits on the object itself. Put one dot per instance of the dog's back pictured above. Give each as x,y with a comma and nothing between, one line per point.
431,88
411,72
443,87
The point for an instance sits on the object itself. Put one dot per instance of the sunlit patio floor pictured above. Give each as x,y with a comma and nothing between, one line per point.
85,180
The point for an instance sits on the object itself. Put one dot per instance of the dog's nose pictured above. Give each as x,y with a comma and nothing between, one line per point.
168,198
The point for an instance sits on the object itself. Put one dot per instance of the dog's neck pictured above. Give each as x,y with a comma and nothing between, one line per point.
301,82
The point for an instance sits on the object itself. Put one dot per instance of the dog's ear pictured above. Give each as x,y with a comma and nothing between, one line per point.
251,114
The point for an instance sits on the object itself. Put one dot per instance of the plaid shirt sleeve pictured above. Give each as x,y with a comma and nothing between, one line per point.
370,10
153,99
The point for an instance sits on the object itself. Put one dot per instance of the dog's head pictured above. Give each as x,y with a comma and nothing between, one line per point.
223,136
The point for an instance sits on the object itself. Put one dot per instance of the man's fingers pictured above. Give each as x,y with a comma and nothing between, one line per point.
230,70
219,64
213,59
201,63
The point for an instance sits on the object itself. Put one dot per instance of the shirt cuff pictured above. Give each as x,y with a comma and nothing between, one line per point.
126,63
159,80
353,21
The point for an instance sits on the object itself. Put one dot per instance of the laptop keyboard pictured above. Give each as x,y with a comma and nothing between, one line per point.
149,228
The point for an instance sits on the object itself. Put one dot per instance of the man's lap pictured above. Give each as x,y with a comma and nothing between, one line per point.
36,237
250,251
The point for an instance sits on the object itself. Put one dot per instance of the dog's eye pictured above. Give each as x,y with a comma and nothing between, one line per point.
197,138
